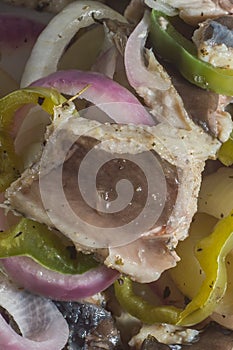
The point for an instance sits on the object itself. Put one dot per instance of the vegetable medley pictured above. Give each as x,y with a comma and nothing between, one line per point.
116,174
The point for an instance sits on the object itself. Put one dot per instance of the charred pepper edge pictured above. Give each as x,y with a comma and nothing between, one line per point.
174,47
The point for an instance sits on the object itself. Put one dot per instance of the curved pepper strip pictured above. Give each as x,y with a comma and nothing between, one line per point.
211,252
10,163
53,251
140,308
174,47
225,153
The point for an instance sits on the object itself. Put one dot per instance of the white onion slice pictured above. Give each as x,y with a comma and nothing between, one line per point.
116,101
39,280
41,324
56,36
138,75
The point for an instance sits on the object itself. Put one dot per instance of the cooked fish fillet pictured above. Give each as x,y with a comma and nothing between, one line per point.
194,12
151,158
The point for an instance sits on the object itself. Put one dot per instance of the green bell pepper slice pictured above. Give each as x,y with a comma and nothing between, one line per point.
52,250
181,52
10,162
140,308
211,252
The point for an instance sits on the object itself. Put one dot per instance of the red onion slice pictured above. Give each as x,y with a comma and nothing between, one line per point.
138,75
153,83
56,36
37,279
41,324
118,102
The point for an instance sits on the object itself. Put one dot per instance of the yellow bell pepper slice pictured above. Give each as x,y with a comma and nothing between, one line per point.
211,252
10,162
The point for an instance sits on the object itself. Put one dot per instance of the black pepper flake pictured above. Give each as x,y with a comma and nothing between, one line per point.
40,100
223,316
120,281
72,251
18,234
26,40
42,6
33,226
166,292
199,250
222,215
